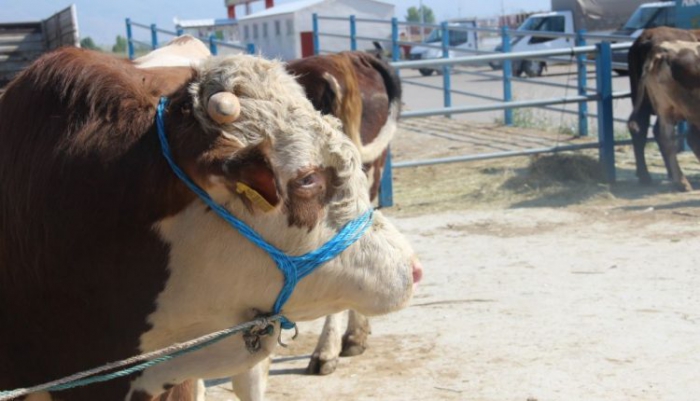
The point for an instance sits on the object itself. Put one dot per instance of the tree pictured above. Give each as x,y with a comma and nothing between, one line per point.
413,15
88,43
120,46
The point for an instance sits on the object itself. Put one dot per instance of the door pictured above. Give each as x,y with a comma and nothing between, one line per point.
307,44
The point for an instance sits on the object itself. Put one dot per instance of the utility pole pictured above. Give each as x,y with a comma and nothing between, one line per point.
422,21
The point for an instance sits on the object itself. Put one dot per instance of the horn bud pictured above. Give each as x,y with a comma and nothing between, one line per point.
224,107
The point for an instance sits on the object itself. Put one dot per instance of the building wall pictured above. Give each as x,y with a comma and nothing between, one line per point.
228,33
345,8
268,39
287,45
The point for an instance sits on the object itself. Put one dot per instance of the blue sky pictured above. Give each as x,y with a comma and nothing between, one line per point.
103,20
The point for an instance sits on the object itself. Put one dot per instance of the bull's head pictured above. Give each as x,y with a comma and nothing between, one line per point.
260,149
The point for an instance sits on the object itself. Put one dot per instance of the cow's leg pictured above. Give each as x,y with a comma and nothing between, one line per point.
638,125
694,139
324,360
664,155
251,385
355,338
669,149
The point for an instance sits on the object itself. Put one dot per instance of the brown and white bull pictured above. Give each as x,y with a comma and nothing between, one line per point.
670,83
640,118
104,251
364,92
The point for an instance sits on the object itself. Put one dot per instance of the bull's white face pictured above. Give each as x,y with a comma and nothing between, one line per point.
305,182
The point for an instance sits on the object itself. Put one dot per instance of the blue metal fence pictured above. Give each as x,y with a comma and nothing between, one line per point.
211,41
602,94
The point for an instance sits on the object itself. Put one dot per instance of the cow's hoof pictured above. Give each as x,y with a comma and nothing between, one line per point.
354,345
320,367
683,186
645,180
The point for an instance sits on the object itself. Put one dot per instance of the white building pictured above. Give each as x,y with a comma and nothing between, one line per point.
222,29
286,31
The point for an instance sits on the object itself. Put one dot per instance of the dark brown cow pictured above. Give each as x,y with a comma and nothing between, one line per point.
639,120
106,254
670,80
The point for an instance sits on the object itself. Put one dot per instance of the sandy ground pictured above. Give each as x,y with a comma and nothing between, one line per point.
536,287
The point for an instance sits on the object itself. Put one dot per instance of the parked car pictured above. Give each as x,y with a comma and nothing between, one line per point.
432,45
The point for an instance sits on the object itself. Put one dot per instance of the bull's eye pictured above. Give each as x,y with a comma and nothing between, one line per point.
309,185
309,180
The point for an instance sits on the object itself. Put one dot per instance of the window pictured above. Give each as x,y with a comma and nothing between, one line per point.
246,32
278,28
458,37
290,27
651,17
544,24
255,31
264,25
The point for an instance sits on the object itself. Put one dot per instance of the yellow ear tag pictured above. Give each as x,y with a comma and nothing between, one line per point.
254,197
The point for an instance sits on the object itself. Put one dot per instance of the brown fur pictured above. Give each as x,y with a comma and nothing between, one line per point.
669,77
640,118
83,182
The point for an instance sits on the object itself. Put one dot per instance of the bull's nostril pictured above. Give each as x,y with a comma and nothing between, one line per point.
417,272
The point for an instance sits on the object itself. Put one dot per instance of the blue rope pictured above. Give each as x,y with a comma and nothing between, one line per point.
294,268
89,376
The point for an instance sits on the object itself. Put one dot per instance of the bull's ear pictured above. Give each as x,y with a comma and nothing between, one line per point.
332,95
254,180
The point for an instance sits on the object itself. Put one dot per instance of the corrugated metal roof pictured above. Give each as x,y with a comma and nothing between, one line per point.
283,9
194,23
289,8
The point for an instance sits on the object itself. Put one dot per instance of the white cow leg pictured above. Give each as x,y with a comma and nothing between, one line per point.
355,337
324,360
200,391
251,385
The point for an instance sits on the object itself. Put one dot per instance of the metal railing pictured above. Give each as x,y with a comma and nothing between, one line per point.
602,93
154,43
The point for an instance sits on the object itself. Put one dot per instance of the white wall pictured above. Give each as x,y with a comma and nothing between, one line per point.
269,41
345,8
287,46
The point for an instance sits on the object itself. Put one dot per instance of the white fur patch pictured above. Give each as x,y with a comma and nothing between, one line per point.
184,51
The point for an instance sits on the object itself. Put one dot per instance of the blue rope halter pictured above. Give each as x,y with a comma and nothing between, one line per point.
294,268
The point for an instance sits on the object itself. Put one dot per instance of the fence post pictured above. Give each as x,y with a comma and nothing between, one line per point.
507,74
129,38
446,69
606,136
386,187
682,135
154,37
251,48
353,33
212,45
582,83
395,51
315,34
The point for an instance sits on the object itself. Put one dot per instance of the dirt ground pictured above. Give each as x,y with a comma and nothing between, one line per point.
541,283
